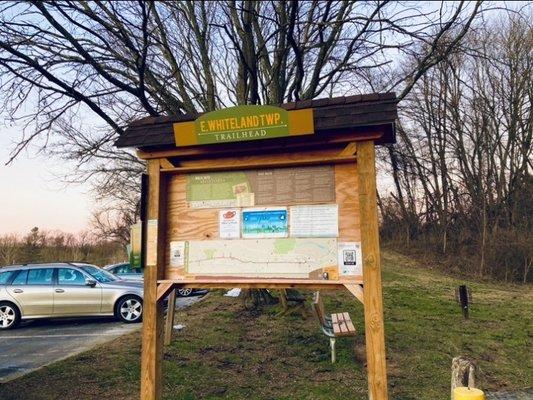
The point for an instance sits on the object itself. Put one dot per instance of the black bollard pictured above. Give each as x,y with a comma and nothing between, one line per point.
464,299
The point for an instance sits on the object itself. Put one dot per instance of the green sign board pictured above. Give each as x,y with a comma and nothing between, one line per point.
243,123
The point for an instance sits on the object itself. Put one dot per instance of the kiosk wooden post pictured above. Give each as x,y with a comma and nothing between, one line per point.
373,299
152,332
328,143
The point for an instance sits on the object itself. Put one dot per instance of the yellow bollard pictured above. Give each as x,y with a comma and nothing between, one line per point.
464,393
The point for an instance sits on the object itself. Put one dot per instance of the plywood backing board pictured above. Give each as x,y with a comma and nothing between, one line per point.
190,224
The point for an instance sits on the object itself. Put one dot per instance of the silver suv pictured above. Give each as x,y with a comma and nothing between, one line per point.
53,290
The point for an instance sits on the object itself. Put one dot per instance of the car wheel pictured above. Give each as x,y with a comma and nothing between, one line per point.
185,292
9,315
130,309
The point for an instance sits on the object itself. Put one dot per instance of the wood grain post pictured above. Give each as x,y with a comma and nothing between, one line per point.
171,311
152,332
373,299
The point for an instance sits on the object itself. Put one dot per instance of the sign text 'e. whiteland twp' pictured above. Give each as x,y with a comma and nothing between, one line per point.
243,123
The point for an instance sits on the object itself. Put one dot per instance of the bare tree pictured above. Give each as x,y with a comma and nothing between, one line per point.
464,158
54,246
75,73
9,249
114,61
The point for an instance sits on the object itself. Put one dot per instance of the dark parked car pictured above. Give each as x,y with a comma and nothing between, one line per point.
127,272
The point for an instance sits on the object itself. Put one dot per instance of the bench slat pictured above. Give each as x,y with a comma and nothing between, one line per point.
343,327
342,324
335,323
338,317
351,328
348,323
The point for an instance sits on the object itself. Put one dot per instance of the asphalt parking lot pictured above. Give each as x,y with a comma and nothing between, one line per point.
35,344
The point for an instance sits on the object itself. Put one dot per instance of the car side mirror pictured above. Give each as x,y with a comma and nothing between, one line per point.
90,282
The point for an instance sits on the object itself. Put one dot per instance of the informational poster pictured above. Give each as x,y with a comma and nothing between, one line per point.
350,258
314,220
264,187
177,254
151,242
229,223
260,223
304,185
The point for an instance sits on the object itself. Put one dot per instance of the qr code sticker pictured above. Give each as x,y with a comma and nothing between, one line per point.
349,257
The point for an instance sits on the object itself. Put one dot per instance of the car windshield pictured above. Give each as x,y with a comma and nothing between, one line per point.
99,274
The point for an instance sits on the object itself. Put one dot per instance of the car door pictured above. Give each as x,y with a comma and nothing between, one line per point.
72,296
33,290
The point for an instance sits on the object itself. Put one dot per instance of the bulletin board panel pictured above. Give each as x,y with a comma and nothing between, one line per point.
196,230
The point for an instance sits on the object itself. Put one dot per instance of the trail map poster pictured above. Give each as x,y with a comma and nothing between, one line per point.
282,258
278,186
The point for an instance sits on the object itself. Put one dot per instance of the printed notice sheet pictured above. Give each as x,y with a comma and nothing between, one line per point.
314,221
229,224
350,258
177,254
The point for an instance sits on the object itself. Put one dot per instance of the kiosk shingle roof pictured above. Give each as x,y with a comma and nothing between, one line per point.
330,114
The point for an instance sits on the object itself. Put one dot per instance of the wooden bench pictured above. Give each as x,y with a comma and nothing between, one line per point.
334,326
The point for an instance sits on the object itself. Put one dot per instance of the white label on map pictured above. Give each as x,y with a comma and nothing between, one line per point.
314,221
177,254
245,199
229,224
213,203
350,259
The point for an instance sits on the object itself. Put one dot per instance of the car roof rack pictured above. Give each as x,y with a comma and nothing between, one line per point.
53,262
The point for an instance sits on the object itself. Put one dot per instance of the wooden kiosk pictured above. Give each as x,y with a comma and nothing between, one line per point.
264,197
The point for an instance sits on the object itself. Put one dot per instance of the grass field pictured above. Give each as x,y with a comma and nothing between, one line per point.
226,352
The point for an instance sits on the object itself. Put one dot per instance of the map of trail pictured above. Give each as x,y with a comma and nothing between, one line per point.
268,258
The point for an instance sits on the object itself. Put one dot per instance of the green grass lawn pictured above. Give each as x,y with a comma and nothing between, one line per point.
226,352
